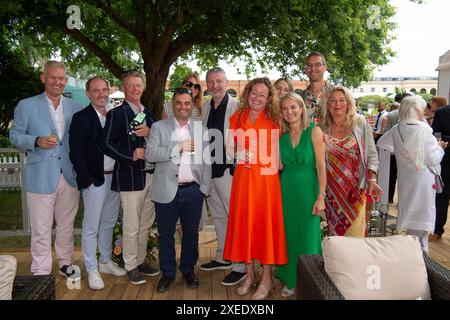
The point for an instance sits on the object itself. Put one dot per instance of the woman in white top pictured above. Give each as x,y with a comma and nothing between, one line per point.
418,154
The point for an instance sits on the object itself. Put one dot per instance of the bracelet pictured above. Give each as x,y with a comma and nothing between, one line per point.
323,194
372,180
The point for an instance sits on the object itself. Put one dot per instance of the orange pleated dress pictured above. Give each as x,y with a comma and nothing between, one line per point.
255,224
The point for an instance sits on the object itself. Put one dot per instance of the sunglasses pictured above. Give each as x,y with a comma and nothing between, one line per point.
181,90
190,85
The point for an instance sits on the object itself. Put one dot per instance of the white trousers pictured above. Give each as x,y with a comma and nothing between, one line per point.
101,207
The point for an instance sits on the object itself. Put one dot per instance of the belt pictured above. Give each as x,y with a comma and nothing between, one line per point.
151,171
108,172
184,185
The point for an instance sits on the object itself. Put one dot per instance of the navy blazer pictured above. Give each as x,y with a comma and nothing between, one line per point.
117,143
87,157
441,123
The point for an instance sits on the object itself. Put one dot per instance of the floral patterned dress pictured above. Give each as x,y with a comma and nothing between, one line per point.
345,203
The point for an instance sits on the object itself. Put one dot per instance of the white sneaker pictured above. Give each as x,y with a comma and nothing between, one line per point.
95,281
112,268
285,292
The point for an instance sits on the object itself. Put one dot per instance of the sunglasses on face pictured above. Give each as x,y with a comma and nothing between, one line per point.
190,85
181,90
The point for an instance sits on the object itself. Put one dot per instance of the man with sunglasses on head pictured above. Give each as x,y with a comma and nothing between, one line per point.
182,180
216,116
123,139
316,66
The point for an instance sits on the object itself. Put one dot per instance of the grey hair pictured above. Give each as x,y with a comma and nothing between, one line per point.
53,64
216,70
408,107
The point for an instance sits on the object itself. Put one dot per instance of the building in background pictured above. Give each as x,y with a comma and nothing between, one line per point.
444,75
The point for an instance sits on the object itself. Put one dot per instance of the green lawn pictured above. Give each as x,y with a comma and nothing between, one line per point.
11,211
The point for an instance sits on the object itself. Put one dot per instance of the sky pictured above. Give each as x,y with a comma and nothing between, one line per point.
422,36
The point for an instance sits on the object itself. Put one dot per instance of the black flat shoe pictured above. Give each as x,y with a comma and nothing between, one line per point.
191,280
164,283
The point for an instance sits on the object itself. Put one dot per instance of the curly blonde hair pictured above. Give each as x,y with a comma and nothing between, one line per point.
351,116
273,104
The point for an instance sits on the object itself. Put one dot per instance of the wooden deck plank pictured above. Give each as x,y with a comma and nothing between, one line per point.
204,277
219,292
109,281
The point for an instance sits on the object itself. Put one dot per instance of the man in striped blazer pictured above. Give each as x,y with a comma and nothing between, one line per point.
131,177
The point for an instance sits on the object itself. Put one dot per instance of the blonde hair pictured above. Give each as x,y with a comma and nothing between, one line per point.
198,100
273,104
351,115
304,117
53,64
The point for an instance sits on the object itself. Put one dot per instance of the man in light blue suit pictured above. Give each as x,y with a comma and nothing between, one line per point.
40,128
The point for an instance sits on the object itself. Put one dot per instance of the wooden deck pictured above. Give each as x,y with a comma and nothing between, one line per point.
118,288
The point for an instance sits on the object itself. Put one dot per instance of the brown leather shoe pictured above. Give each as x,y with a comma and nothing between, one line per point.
433,237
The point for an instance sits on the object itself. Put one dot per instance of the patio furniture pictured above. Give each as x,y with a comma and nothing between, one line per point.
34,287
315,284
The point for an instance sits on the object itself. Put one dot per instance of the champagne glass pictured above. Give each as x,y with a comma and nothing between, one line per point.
54,137
438,136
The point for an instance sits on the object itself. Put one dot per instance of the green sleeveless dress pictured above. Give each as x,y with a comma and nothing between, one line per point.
299,190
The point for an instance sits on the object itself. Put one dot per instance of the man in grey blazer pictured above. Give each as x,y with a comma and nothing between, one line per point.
216,117
49,176
179,149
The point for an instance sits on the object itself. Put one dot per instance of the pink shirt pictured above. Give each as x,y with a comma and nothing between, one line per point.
184,173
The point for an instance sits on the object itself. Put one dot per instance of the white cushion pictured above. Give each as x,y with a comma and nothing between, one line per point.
377,268
8,266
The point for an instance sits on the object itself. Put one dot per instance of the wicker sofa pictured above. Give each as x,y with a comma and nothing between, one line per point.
313,283
34,288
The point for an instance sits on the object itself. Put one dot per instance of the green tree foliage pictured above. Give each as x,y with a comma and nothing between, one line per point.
18,80
372,100
152,35
176,78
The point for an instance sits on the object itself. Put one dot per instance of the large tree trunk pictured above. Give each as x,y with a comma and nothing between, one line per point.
153,96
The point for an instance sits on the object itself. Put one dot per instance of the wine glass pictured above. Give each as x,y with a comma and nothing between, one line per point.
54,137
438,136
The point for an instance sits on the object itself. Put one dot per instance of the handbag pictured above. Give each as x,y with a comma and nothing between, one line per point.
438,182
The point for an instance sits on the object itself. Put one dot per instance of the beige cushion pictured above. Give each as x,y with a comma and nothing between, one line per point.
377,268
8,266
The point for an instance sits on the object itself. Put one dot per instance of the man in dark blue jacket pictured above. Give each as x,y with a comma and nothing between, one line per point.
94,176
125,143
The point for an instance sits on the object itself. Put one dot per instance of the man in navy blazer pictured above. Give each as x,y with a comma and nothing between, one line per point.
441,123
94,177
132,176
49,176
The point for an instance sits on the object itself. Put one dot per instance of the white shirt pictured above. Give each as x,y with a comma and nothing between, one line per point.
377,127
57,116
135,108
184,173
108,163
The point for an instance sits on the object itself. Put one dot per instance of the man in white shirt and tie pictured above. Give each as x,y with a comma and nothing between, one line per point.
381,114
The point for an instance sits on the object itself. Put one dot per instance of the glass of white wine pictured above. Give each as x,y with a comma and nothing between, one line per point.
54,137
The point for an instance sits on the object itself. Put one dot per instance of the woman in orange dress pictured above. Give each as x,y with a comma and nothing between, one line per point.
255,224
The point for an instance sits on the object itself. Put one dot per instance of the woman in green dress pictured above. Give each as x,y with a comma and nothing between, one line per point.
303,183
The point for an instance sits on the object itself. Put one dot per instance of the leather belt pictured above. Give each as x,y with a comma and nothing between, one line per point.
151,171
108,172
184,185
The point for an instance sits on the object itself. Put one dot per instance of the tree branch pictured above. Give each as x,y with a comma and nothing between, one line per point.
109,11
104,56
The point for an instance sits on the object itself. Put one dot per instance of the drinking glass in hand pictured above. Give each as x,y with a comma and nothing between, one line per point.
54,137
438,136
